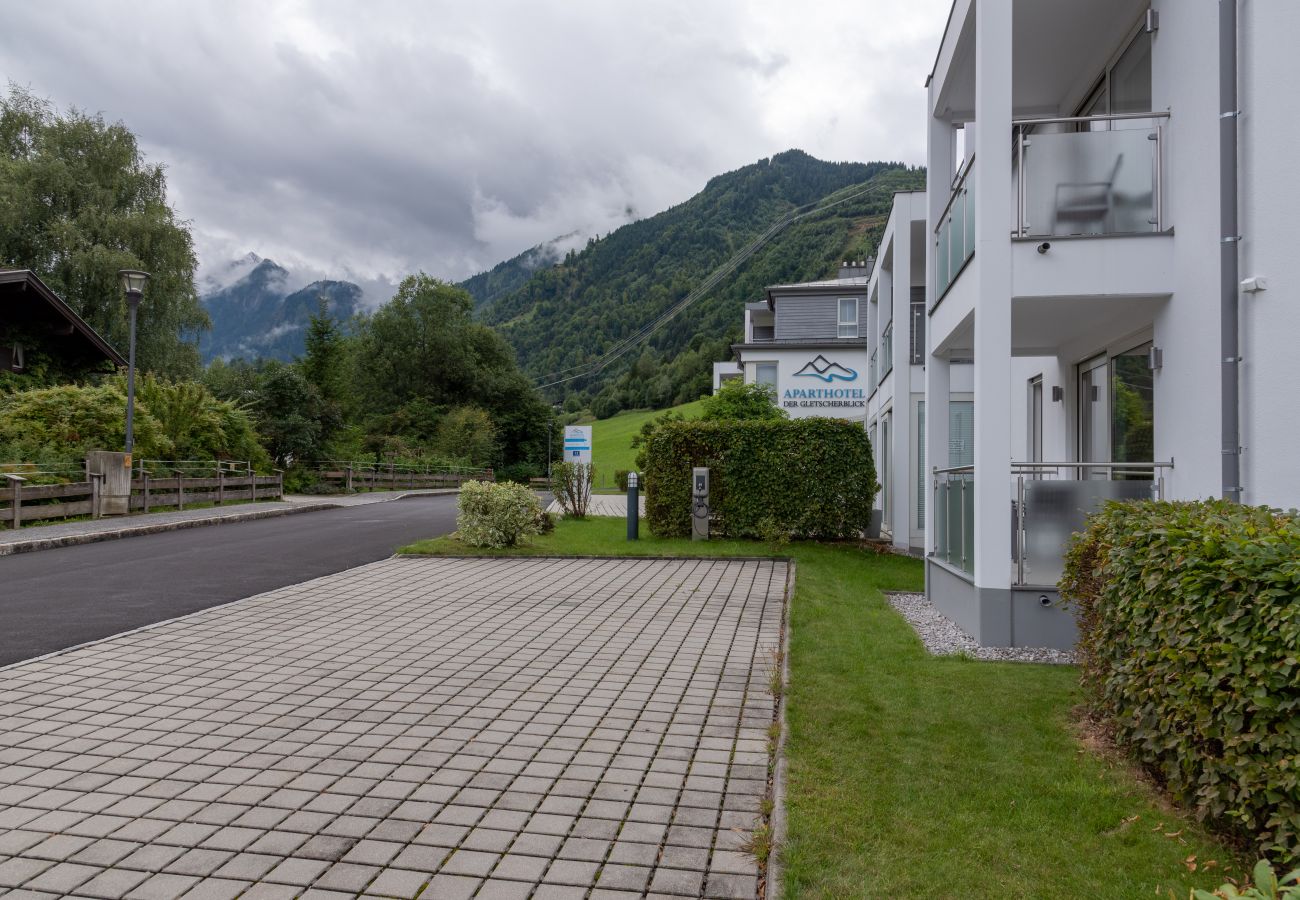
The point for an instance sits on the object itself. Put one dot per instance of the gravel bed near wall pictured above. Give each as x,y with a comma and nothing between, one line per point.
944,637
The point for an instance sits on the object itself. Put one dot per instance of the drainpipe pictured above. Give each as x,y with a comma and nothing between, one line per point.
1229,243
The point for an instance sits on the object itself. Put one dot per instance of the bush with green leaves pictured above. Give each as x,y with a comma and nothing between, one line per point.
1267,886
571,483
737,400
64,422
1189,617
501,514
808,478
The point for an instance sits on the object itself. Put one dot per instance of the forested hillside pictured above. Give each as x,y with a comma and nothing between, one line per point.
569,314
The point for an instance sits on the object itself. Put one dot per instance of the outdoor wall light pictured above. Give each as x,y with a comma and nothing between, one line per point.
1044,247
1058,393
1155,359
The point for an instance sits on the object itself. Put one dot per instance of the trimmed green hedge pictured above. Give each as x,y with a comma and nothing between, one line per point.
805,477
1189,620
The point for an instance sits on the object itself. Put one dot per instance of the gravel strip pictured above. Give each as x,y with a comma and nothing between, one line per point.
944,637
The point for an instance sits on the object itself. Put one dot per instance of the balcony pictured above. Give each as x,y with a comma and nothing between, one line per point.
955,233
886,352
763,333
1049,502
1089,175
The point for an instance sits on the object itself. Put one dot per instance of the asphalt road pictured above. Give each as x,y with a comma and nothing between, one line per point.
53,599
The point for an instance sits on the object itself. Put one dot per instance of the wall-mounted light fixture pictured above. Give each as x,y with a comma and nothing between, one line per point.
1044,247
1058,393
1155,359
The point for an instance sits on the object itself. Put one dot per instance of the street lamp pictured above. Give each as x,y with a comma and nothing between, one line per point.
133,282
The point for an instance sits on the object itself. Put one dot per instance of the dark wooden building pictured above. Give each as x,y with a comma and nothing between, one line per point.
42,336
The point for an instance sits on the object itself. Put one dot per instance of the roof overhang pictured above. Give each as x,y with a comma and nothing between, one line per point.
27,301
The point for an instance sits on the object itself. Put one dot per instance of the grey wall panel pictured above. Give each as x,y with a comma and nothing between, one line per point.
807,318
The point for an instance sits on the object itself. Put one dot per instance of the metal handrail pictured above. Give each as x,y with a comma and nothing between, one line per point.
954,470
1108,117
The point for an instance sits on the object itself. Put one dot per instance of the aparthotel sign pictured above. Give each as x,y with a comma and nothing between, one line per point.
823,369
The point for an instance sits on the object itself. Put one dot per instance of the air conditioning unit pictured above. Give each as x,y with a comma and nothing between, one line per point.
11,358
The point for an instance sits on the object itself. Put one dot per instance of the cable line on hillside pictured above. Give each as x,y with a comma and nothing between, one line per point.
710,282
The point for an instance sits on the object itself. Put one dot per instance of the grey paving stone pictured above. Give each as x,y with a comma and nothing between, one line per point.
162,887
410,720
113,883
344,876
452,887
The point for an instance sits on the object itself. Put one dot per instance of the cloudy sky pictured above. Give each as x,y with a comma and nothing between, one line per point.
372,138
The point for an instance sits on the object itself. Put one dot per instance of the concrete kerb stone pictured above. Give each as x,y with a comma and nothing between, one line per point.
779,774
94,537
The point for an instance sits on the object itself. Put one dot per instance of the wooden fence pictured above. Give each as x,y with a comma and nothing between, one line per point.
21,502
395,477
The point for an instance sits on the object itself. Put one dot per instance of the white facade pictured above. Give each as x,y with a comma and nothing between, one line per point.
725,371
1073,252
808,342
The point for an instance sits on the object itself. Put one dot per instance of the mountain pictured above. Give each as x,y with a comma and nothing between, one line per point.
565,316
256,315
507,277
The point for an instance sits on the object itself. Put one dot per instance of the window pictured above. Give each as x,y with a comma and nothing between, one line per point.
917,338
961,432
765,373
1035,420
848,317
1124,86
920,464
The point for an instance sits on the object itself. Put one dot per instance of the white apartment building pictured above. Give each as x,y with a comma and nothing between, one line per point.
806,341
1109,233
896,408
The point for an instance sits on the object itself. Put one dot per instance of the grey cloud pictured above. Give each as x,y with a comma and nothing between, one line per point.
371,140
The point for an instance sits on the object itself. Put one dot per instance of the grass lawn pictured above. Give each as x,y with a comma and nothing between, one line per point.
611,440
911,776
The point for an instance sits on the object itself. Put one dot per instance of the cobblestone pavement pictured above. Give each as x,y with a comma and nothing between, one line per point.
448,728
603,505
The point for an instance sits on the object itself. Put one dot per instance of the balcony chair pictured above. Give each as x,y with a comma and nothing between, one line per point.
1082,203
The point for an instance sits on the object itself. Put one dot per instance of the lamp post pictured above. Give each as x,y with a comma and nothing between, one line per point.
133,282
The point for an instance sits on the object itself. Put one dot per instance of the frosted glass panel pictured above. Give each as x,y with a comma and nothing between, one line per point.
1054,510
1091,182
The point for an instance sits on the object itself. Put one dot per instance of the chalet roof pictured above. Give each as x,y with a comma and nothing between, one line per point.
26,300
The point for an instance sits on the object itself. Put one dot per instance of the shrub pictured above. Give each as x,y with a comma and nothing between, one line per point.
1267,886
68,420
497,514
520,472
803,477
620,479
736,400
571,483
1189,618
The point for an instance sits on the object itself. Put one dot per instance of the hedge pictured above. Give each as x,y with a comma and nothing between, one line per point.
805,477
1189,618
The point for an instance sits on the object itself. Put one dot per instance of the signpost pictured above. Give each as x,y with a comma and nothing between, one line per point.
577,444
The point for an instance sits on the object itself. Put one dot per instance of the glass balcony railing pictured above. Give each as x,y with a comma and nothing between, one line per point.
1089,175
954,517
955,234
1051,504
886,352
763,333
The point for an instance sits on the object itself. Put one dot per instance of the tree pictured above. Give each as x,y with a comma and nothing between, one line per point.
324,361
423,351
288,415
738,400
466,434
78,202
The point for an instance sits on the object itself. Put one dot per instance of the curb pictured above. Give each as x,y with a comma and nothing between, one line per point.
73,540
779,773
94,537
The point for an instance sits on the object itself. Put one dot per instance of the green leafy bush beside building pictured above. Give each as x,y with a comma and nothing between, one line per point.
1189,619
810,478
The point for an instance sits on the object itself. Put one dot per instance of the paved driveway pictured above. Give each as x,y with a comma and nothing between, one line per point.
448,728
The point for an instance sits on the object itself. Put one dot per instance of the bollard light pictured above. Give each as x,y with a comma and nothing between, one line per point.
633,507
